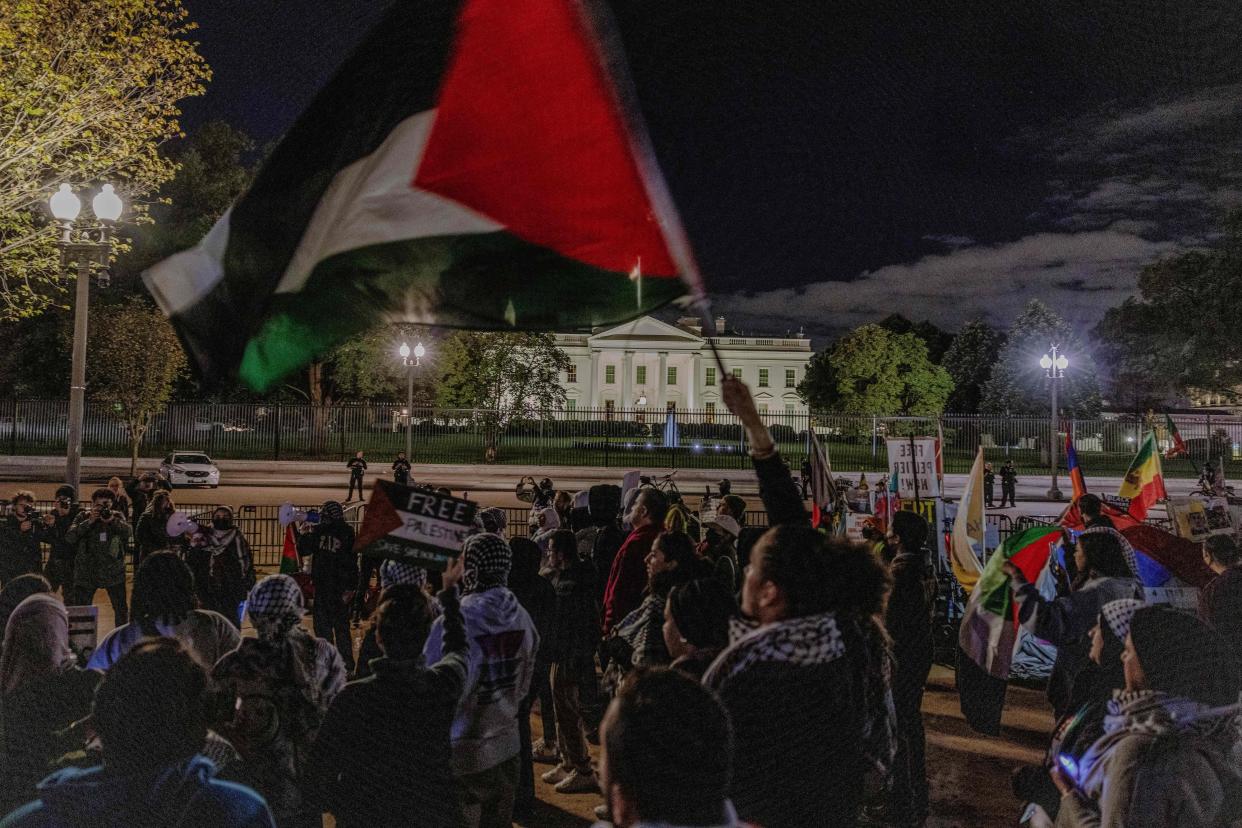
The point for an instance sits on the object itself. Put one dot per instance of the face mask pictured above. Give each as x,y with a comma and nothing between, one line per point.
222,523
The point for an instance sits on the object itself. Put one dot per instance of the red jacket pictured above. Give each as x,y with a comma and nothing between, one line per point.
628,577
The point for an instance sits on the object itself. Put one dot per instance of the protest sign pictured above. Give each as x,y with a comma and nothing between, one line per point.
417,526
908,458
83,631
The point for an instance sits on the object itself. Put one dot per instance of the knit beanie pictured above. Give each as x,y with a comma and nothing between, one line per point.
486,564
1182,656
332,512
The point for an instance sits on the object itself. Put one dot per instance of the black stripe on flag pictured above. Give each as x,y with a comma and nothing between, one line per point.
394,73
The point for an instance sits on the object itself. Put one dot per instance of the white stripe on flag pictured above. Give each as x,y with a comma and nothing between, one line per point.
373,201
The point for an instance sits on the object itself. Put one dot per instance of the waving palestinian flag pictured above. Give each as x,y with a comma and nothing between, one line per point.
475,164
989,631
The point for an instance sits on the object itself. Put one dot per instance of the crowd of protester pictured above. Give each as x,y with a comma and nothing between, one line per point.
1147,696
737,676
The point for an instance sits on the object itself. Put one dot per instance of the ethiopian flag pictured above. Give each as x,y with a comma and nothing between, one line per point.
1144,480
989,631
476,164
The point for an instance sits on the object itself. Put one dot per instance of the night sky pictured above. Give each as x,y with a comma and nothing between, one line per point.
838,161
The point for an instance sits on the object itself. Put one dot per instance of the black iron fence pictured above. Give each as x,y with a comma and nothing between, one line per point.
700,439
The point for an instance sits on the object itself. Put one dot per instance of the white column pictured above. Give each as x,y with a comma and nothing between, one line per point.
627,379
661,383
592,367
692,387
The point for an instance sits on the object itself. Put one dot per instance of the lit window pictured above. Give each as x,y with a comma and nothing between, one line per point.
763,377
610,374
709,378
640,375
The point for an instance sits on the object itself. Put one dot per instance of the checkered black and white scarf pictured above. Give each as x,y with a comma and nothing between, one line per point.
487,562
275,606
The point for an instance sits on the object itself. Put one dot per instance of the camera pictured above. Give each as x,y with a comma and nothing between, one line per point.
64,502
105,512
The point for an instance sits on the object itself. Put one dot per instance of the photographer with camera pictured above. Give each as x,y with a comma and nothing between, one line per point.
99,538
57,524
23,530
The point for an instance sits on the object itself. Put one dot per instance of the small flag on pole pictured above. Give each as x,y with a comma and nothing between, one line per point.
966,549
823,487
290,564
1144,480
1178,445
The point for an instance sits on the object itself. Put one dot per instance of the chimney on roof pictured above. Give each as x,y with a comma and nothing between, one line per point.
720,325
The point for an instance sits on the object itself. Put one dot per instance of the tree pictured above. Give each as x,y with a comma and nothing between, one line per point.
1019,386
503,376
969,362
875,371
1180,333
136,357
88,92
936,340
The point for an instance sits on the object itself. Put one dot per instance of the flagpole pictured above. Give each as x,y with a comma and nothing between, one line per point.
597,19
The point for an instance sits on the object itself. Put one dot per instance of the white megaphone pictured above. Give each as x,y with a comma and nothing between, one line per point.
290,514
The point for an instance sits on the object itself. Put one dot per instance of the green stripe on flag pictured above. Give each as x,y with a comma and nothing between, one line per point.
487,281
1023,548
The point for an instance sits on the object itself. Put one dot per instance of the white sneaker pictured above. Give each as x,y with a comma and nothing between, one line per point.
578,782
544,753
557,775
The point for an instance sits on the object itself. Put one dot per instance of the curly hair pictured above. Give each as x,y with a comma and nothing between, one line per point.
816,574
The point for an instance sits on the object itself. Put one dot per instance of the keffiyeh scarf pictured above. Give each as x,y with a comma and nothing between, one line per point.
487,562
275,607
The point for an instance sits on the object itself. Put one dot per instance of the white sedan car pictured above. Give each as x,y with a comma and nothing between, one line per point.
190,468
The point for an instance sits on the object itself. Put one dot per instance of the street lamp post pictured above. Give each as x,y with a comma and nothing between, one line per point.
411,364
1054,365
84,245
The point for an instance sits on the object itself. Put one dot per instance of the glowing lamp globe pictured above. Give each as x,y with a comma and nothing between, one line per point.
419,351
1045,362
65,205
106,205
1062,363
404,350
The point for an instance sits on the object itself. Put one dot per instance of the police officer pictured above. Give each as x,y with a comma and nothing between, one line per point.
1009,483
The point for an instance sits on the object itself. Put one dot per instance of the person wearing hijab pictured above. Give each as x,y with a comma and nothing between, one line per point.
391,573
274,690
1094,688
43,692
696,624
232,566
166,606
503,645
1166,754
151,531
334,571
18,590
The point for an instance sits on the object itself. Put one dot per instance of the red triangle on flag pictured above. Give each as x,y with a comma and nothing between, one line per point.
529,132
381,517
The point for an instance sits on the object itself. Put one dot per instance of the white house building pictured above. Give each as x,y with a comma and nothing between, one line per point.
650,366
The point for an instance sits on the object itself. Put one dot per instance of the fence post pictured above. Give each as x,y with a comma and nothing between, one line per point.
276,434
874,438
542,415
13,431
